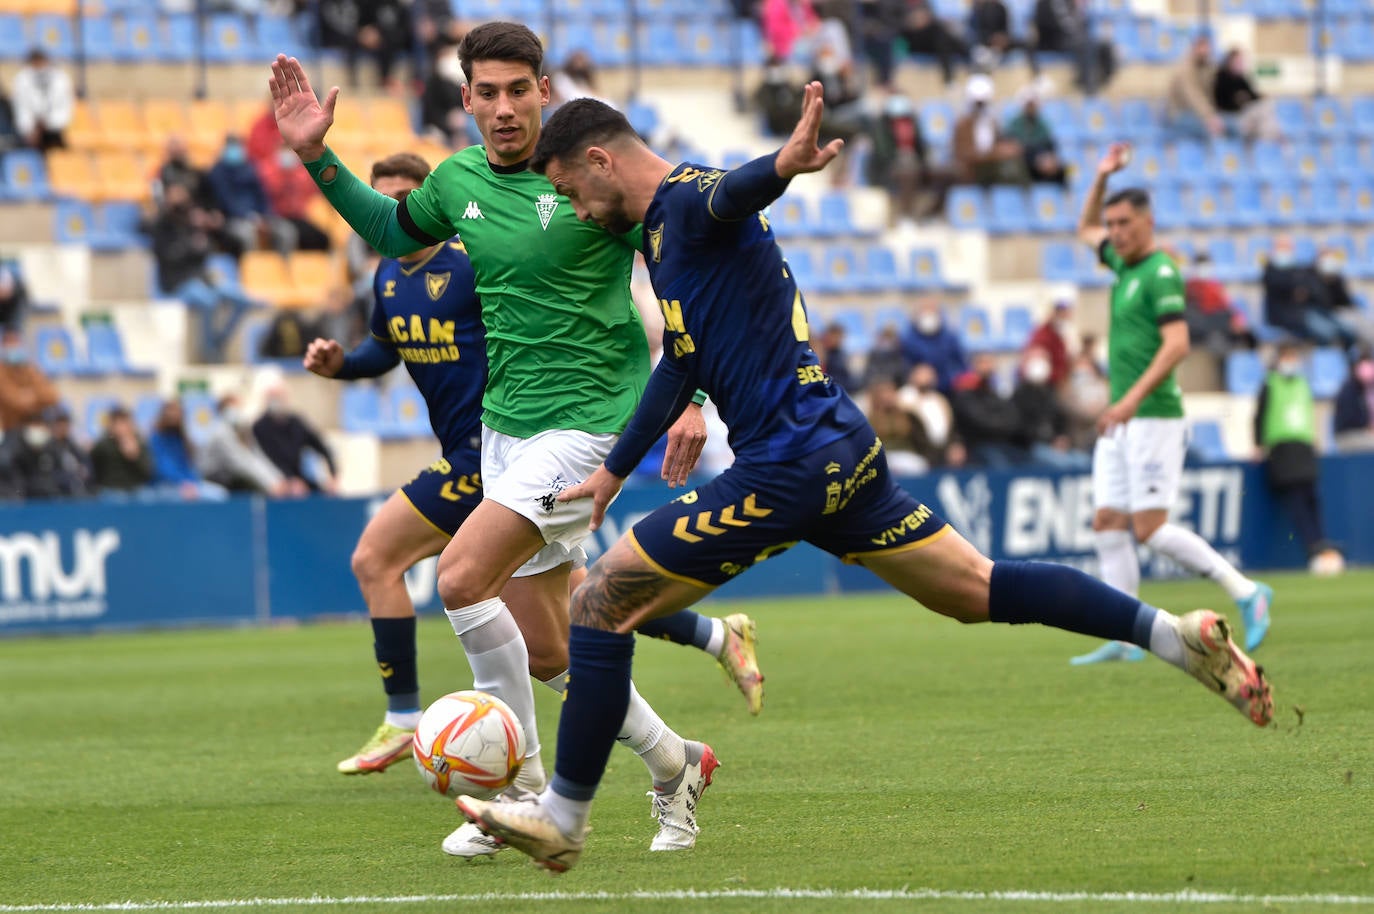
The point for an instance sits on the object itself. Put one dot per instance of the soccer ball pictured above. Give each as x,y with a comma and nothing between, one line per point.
469,743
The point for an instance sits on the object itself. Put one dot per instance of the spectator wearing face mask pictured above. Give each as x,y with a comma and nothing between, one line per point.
286,439
923,401
1044,421
40,465
121,463
1052,338
232,458
982,152
1336,302
290,189
25,390
1285,435
238,193
900,162
1085,393
927,339
1212,323
988,423
74,462
1353,422
885,359
1295,297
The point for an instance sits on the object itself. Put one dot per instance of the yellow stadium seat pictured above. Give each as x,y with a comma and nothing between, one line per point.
84,130
124,176
264,277
72,173
165,117
206,124
327,218
430,151
243,112
351,127
48,7
313,275
122,125
389,117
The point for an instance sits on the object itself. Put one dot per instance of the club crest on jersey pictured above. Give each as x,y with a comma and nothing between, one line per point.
435,284
546,204
656,243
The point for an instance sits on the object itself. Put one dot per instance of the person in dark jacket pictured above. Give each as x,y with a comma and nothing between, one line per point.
120,460
989,25
238,193
988,423
1285,434
1044,420
1296,298
285,438
834,360
1353,422
1062,25
927,339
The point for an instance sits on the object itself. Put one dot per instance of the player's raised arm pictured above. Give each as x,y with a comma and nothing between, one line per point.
1091,231
303,122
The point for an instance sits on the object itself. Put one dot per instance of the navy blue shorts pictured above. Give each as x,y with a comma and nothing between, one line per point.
445,492
840,499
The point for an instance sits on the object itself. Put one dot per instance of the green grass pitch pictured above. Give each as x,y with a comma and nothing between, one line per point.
953,768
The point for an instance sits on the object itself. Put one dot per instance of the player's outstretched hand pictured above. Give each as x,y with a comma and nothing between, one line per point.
801,154
324,357
686,439
301,118
1117,157
601,487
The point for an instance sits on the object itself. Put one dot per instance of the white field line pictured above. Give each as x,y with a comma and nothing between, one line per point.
1186,897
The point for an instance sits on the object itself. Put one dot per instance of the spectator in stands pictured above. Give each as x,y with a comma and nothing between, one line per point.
784,24
922,400
924,33
576,78
14,297
11,486
43,101
25,390
286,438
1085,394
927,339
901,433
988,423
263,137
232,458
9,133
899,161
1044,420
1285,436
879,23
834,360
238,193
174,466
379,29
886,359
436,28
1213,324
1039,149
121,463
290,189
1052,338
1189,110
1337,303
1063,25
989,25
176,168
441,102
43,467
846,113
1353,422
181,246
74,461
1247,114
1297,298
982,153
778,97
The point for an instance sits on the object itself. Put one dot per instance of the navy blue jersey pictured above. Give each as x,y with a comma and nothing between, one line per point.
428,313
735,322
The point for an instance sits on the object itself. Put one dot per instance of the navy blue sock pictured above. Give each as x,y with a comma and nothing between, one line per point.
394,644
1066,598
594,708
685,627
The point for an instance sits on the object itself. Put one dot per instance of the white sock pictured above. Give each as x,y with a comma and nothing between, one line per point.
569,815
532,776
1116,558
663,751
1165,641
499,660
406,720
1195,554
717,642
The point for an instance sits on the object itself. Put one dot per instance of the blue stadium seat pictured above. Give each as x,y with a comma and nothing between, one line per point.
1227,159
145,412
198,416
803,269
1017,326
225,270
98,38
790,217
1010,211
1359,202
643,117
1244,372
1205,441
923,271
54,35
55,352
360,408
228,39
178,39
1062,114
1326,371
706,45
937,122
1257,251
105,352
967,208
14,41
889,316
1293,115
1270,160
1090,272
840,271
1191,160
1362,114
1227,264
117,227
409,414
858,333
1169,209
1330,117
1149,158
1355,40
1205,207
611,41
1051,209
1323,201
879,273
1059,261
975,329
1246,204
73,221
835,218
749,37
1137,121
1098,120
274,35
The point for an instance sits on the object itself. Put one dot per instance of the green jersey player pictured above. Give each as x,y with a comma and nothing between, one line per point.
1142,435
568,362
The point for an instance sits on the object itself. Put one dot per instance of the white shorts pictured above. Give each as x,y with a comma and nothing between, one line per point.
526,475
1136,466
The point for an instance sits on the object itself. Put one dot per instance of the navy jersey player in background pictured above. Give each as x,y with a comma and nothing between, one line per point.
427,314
808,465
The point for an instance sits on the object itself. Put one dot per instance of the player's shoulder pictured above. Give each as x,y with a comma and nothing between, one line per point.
1161,266
692,176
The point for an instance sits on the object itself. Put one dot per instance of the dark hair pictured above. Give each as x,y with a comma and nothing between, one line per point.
1139,198
501,41
401,165
575,126
117,412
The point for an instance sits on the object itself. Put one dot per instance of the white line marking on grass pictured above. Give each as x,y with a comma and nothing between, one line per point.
1187,897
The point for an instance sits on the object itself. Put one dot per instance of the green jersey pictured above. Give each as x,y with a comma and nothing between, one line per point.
1146,294
564,341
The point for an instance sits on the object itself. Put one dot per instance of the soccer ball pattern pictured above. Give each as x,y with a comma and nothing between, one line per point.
469,743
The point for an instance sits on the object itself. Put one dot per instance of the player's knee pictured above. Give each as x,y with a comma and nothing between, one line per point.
458,584
1107,519
370,563
1145,527
589,602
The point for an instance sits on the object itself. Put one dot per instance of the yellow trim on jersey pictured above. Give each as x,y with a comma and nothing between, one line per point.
634,544
443,533
420,263
852,558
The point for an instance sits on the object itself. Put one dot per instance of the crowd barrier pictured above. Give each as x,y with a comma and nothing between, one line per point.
93,564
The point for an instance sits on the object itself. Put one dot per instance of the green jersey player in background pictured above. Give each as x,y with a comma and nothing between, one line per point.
568,361
1142,435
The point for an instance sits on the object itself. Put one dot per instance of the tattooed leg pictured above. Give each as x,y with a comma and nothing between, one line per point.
622,591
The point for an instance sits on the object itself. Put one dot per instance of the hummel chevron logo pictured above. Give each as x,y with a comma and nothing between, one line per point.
473,211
